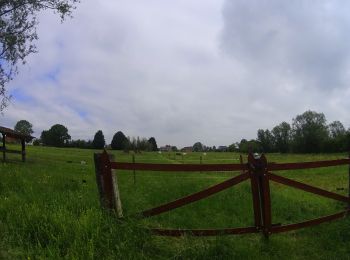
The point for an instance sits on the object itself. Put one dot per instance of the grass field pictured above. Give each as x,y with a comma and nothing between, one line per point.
49,208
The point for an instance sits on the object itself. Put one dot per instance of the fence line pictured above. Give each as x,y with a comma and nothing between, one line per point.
257,169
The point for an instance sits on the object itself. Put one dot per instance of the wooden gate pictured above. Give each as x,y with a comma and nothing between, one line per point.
257,170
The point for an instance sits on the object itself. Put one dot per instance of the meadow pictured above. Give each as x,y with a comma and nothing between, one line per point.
49,208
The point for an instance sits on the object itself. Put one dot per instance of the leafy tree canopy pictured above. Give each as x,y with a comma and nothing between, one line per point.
251,146
153,144
99,140
18,21
266,140
281,136
119,141
24,127
309,132
198,147
336,129
57,136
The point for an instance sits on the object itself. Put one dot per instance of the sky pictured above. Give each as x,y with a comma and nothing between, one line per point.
213,71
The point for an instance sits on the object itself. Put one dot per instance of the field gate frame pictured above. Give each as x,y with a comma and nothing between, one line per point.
257,169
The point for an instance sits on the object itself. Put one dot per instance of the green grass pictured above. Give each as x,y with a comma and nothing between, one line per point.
49,208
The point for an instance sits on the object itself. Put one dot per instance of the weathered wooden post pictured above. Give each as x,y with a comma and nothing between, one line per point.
4,147
118,202
261,192
254,182
23,150
99,180
107,183
133,161
265,184
349,179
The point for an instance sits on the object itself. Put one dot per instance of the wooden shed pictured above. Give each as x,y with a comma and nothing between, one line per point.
9,133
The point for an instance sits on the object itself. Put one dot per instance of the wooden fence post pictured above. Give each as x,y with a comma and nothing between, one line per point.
349,179
99,181
254,181
261,193
133,161
23,150
4,147
118,202
107,183
265,187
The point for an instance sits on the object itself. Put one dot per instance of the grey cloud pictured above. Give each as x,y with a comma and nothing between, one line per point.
304,40
184,71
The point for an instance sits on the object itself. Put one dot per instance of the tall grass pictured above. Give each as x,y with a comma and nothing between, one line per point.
49,208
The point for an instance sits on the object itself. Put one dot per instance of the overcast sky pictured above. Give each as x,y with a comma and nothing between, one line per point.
183,71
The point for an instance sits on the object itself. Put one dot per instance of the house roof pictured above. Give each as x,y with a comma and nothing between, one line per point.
14,134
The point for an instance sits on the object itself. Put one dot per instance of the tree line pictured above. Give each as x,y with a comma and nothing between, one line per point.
308,133
58,136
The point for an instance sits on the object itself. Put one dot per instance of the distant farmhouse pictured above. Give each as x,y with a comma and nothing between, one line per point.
222,148
187,149
166,148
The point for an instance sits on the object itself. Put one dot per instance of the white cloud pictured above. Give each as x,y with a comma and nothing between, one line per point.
185,71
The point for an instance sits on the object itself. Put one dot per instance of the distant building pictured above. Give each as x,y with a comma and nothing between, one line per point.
166,148
12,140
222,148
187,149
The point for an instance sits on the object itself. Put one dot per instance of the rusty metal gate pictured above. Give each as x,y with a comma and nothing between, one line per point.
257,170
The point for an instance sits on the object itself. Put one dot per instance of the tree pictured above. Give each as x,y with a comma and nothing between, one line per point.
281,137
119,141
80,144
309,132
57,136
336,129
18,21
265,138
132,144
99,140
233,147
251,146
153,144
198,147
347,140
36,142
337,141
143,144
24,127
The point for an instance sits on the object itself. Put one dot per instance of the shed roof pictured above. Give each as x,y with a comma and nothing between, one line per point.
14,134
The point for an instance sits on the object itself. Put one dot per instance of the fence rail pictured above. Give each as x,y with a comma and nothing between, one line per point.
306,165
257,170
178,167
